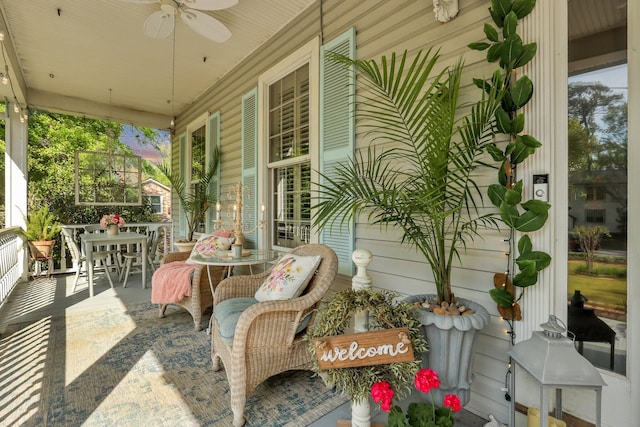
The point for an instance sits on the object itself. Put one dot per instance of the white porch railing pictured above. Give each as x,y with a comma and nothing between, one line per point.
11,260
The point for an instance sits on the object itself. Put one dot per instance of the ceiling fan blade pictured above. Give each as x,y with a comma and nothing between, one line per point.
205,25
209,4
159,24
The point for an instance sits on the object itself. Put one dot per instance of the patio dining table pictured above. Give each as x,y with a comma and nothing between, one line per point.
95,240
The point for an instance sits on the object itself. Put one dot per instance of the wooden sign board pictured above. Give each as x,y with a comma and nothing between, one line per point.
364,349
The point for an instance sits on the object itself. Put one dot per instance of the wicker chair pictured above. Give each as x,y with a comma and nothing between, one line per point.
201,298
268,338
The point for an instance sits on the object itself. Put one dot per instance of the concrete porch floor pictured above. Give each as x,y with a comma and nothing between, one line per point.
40,298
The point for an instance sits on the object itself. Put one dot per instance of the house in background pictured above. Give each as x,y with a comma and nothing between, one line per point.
159,196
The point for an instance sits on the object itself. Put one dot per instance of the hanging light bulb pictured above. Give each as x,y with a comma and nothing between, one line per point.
1,36
25,114
5,79
173,121
21,119
16,108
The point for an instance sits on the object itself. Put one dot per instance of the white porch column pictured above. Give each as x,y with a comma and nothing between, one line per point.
15,174
546,120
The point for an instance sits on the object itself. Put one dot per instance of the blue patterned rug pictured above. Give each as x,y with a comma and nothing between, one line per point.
127,367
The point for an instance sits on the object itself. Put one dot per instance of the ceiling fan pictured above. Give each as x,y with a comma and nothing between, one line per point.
162,22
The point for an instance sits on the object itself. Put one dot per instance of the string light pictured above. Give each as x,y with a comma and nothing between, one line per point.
6,80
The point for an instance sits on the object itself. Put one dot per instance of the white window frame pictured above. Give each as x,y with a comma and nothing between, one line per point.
148,196
308,53
194,125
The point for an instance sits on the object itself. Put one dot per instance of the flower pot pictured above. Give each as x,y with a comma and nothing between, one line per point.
451,341
184,246
41,249
113,229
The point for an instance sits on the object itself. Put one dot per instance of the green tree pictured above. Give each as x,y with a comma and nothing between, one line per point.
53,140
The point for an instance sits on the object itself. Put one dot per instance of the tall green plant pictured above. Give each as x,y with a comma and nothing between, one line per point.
419,178
195,201
506,47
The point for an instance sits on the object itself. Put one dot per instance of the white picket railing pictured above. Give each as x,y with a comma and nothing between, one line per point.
12,256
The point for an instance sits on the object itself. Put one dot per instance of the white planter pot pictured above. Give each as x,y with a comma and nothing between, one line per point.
451,341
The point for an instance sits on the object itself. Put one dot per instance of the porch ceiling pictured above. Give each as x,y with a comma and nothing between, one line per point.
88,57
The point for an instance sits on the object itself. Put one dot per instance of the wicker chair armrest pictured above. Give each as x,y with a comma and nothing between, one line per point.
271,323
175,256
239,286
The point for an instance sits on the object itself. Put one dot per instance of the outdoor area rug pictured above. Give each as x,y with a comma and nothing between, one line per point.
127,367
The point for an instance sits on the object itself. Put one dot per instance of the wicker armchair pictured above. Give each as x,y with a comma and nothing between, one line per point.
268,338
201,298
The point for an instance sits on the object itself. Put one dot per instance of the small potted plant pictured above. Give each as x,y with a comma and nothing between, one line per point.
195,200
112,223
42,227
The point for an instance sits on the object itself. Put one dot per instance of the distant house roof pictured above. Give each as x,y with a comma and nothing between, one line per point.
158,183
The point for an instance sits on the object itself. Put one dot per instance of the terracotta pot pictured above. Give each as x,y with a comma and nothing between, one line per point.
41,249
451,341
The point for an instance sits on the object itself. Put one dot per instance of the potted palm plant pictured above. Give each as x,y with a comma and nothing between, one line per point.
42,227
196,200
417,176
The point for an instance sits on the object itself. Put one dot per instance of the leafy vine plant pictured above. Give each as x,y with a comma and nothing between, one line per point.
521,216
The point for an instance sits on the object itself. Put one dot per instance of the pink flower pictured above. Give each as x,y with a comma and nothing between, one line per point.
452,402
382,393
113,219
426,379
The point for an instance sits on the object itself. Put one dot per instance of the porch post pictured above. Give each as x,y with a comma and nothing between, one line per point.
15,175
547,121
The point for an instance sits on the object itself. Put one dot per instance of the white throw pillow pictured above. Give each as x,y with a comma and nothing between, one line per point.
209,245
288,278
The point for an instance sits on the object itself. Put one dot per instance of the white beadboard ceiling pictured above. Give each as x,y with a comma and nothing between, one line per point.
90,57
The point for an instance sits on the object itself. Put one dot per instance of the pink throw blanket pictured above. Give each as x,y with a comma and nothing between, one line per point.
171,282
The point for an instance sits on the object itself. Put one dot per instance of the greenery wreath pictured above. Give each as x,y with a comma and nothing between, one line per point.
334,317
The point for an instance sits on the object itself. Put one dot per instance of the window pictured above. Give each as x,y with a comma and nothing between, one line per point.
595,192
107,179
288,95
594,216
196,157
598,164
155,200
289,160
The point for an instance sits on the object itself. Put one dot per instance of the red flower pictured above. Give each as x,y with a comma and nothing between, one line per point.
426,379
382,393
452,402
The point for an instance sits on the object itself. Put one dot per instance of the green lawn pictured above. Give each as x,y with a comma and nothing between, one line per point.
602,290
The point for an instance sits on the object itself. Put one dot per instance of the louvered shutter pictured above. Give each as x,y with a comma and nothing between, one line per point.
249,164
182,165
214,141
337,130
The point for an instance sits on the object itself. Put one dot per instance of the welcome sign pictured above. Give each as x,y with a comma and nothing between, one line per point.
364,349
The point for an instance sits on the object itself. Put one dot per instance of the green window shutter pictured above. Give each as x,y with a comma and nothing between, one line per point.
250,164
182,220
337,131
214,141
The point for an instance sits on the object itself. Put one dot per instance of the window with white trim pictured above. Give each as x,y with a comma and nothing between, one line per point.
289,145
155,201
196,156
